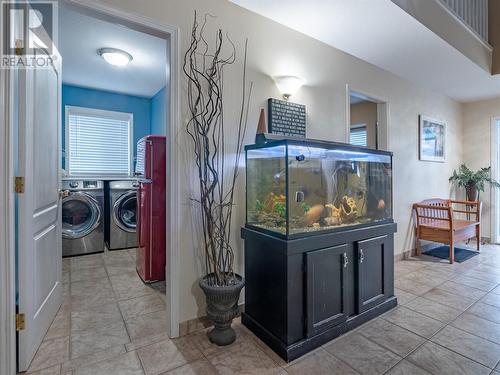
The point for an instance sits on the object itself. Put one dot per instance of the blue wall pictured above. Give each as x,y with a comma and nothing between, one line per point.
150,114
90,98
158,113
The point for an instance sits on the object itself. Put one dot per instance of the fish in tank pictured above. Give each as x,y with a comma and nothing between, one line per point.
325,188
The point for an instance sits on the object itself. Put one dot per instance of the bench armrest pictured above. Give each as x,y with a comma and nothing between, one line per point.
427,213
470,208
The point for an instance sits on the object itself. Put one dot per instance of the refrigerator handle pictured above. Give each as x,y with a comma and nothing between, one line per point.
151,164
138,223
151,170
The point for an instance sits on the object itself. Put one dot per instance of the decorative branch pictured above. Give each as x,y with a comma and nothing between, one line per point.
204,70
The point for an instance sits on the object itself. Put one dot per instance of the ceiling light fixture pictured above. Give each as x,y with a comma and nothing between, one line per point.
115,56
289,85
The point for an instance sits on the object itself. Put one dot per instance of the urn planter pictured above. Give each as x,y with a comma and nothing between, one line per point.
471,192
222,307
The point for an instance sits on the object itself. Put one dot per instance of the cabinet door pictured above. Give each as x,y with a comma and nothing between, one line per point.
326,282
373,280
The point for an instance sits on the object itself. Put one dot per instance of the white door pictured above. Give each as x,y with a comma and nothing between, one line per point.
39,209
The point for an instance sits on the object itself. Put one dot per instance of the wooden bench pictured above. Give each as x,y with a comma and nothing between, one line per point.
447,221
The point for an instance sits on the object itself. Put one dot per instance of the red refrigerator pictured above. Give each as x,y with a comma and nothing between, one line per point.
150,170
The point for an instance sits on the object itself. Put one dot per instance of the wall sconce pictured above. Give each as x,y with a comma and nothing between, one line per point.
288,85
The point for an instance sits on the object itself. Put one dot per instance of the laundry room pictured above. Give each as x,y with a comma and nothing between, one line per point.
113,180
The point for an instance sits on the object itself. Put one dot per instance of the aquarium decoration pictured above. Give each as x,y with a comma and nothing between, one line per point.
272,212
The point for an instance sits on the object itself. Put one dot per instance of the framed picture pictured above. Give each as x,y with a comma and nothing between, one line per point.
432,140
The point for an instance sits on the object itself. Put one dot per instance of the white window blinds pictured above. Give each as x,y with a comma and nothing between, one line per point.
358,135
98,143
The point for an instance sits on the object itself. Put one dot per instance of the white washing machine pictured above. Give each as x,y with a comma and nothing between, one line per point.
122,215
83,217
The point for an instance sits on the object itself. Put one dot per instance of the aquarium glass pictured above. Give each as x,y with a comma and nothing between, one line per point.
327,187
266,188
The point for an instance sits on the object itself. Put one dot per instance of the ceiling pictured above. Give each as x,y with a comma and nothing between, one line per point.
80,36
402,46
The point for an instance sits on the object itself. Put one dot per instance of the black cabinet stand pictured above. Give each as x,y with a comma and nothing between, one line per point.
304,292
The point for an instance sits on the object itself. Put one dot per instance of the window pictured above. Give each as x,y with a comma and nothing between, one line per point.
358,135
98,142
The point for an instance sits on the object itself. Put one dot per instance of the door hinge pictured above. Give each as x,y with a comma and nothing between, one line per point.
19,185
20,322
19,47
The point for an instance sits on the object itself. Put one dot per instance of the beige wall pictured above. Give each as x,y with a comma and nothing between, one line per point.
366,113
277,50
477,146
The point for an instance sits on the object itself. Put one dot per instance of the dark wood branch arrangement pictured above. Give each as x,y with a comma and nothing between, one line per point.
204,69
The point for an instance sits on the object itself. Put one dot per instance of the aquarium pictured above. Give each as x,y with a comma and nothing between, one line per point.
299,187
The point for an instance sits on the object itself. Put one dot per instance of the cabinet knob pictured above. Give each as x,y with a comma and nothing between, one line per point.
361,256
346,260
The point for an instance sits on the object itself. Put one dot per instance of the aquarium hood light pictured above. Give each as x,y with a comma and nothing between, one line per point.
338,154
308,152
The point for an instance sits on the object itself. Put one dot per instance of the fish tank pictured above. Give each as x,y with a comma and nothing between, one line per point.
296,188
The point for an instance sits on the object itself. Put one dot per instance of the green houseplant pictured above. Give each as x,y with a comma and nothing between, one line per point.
473,182
217,148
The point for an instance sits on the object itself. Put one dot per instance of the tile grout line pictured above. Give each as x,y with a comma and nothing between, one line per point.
402,358
373,342
337,358
118,306
89,308
425,338
437,332
70,349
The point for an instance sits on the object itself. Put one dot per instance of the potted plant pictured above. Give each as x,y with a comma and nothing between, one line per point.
473,182
217,169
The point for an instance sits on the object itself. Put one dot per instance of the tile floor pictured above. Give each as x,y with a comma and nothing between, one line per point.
447,322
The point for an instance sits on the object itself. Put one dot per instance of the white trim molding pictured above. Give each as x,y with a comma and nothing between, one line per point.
171,33
383,139
495,174
174,126
7,243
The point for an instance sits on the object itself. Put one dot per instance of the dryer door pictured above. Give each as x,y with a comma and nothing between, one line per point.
125,211
80,215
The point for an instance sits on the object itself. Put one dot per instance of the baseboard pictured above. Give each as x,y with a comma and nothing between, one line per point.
189,326
409,253
426,246
404,255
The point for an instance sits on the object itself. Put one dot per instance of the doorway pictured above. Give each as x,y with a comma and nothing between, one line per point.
169,115
366,124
